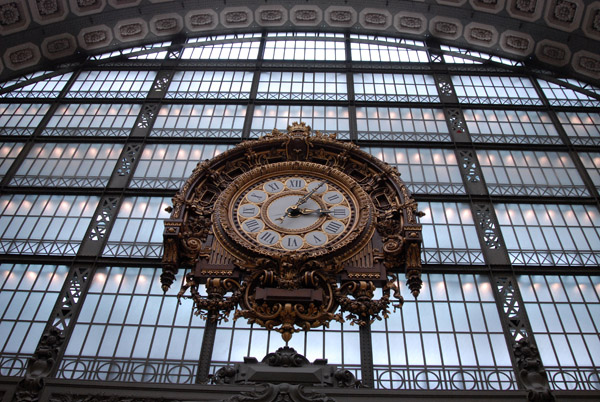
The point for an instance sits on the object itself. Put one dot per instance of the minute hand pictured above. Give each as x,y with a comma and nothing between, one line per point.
305,198
307,211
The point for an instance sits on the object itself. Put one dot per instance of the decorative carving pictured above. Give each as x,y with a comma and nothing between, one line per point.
531,371
280,393
345,379
529,10
589,64
596,21
306,15
47,7
361,307
553,52
21,56
493,6
271,15
87,3
285,357
199,20
446,28
565,11
483,35
526,6
376,18
225,375
94,37
131,29
413,268
284,290
236,17
166,24
340,16
59,45
9,14
40,365
410,22
306,287
216,304
291,364
517,42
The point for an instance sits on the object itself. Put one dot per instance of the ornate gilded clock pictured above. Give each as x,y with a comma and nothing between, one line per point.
292,230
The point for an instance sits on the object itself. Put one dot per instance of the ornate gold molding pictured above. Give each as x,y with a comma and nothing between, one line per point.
289,291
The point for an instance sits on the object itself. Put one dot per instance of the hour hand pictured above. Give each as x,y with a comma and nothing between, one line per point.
307,211
291,211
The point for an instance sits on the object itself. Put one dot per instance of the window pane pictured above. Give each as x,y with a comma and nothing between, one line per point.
495,90
44,224
531,173
551,234
27,296
447,335
562,322
68,165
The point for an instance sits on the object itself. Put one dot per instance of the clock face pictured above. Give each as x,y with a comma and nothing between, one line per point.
292,210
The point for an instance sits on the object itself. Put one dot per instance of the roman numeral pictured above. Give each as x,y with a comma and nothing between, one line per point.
341,212
253,226
333,226
268,237
295,183
333,198
317,239
274,186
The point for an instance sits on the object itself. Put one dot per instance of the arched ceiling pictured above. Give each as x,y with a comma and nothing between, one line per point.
561,35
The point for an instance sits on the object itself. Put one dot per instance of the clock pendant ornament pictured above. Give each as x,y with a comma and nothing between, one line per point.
292,231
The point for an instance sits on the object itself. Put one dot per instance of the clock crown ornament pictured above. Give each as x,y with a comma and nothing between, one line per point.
291,231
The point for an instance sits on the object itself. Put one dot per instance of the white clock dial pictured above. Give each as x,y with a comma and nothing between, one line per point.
248,210
294,210
277,209
319,185
333,227
256,196
339,212
295,183
316,238
333,197
253,225
273,186
268,237
292,242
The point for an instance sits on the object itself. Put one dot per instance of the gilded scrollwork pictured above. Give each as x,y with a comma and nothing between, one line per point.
289,291
217,304
309,289
356,298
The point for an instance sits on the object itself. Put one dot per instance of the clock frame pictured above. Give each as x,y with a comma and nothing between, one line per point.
344,236
289,290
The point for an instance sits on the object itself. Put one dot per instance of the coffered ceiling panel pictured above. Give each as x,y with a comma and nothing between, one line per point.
555,34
